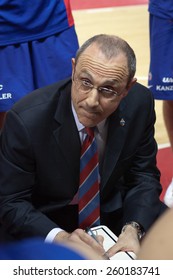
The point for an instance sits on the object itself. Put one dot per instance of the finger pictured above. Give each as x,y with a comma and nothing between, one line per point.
100,239
114,249
96,242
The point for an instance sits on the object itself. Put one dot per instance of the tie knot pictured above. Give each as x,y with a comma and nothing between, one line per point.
90,131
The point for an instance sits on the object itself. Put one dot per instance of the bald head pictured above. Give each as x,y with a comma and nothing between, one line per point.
111,46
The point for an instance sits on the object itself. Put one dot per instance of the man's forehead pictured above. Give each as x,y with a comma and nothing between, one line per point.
94,54
113,67
101,60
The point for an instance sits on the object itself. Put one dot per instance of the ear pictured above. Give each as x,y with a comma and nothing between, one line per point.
73,66
129,86
131,83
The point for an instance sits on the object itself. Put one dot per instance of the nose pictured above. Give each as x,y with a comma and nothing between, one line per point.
93,98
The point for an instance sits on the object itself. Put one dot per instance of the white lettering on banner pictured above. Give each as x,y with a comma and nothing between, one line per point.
167,80
164,88
6,95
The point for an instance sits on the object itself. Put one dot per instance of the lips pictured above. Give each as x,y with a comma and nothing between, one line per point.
90,112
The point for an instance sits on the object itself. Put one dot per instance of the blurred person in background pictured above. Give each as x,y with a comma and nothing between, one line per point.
37,41
157,243
160,80
37,249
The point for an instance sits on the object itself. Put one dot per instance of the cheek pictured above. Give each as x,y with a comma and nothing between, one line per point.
74,96
77,99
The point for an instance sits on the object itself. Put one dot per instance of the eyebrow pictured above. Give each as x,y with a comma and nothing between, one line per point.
109,81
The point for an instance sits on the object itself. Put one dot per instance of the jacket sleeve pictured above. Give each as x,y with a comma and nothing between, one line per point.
142,203
17,179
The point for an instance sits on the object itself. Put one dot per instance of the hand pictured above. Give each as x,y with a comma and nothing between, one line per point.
127,241
82,242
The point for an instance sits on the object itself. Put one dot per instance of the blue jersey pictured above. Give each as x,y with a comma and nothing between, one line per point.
37,249
160,79
161,8
27,20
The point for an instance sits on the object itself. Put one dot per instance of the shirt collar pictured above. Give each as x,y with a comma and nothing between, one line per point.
80,126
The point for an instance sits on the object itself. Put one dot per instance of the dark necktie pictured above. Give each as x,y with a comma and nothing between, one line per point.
89,197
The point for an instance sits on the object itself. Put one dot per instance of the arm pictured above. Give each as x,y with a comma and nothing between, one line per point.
142,203
17,182
157,243
141,181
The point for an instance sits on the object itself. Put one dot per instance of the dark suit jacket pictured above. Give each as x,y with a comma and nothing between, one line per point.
39,162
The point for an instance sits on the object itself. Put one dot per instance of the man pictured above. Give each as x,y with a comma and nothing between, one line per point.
41,142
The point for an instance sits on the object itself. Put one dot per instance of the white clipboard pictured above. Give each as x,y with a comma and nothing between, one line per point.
109,240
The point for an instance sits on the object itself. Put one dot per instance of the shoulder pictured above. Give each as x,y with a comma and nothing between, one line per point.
140,88
140,94
37,249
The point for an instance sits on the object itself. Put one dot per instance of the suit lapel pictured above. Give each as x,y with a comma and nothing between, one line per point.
66,134
118,123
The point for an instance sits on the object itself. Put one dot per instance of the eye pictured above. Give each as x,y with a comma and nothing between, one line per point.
86,83
107,91
109,88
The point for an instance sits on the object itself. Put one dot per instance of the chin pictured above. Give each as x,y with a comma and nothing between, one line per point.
88,122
